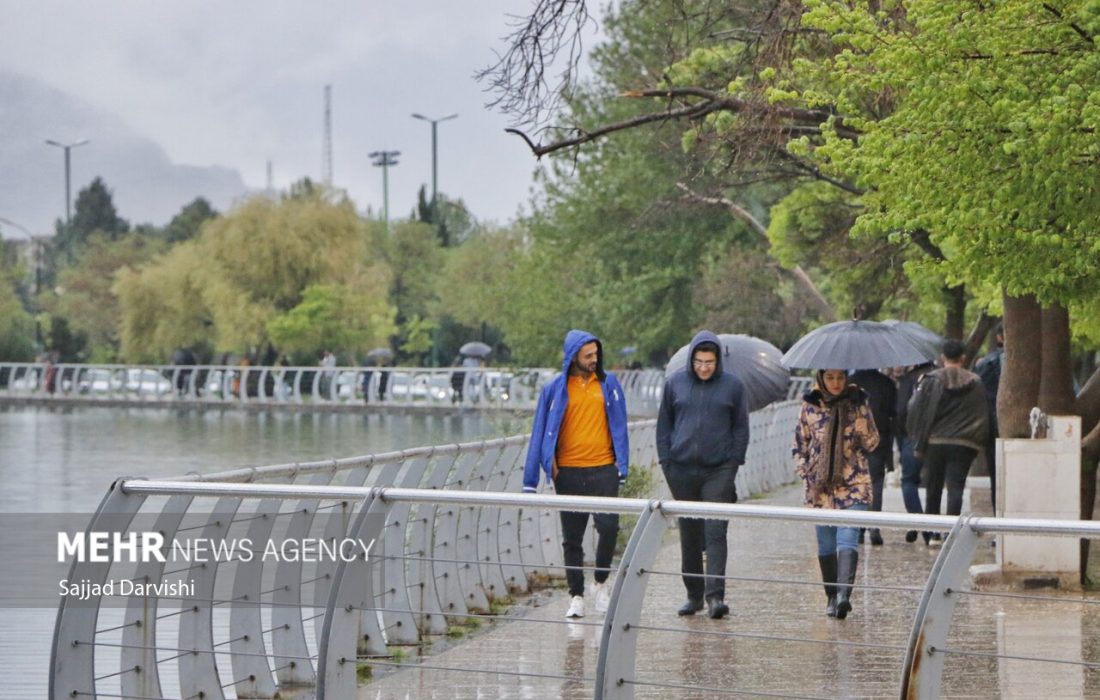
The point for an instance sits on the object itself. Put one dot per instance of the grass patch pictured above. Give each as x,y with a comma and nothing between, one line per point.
639,484
363,672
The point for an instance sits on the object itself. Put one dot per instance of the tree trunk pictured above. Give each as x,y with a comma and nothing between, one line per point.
1056,378
955,320
1018,391
1088,407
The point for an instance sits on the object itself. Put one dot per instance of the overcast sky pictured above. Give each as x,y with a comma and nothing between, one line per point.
241,83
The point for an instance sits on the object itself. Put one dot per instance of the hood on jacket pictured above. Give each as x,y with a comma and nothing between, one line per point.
957,378
574,341
700,338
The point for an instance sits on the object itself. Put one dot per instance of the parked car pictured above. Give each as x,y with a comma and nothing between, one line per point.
420,387
145,382
97,381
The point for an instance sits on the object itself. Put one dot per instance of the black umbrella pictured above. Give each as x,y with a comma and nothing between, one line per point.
928,341
754,360
380,356
853,345
475,349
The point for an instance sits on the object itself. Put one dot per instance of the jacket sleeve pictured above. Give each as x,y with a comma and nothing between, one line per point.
740,429
620,433
665,421
801,449
922,411
866,430
534,445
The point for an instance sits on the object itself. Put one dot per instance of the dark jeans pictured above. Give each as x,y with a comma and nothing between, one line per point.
587,481
876,464
714,485
910,477
950,464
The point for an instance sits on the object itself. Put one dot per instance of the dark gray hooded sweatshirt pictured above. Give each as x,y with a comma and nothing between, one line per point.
703,423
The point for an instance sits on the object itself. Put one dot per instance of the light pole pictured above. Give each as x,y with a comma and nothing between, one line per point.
435,171
384,159
68,177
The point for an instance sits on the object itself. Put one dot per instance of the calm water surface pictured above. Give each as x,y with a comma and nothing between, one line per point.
63,459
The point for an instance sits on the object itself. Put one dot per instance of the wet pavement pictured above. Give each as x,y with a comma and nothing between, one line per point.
777,641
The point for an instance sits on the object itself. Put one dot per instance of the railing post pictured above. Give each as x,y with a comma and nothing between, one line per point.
922,670
618,643
72,661
350,604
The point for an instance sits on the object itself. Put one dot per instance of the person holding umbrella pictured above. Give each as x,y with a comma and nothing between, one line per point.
835,432
702,437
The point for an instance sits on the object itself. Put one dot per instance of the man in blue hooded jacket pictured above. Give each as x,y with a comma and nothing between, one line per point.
579,441
702,437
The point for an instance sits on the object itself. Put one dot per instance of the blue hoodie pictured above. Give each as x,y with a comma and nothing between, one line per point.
703,423
551,410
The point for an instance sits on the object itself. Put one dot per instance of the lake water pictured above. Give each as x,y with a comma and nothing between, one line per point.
61,460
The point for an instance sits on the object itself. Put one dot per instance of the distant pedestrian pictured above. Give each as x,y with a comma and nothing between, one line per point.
328,373
579,441
702,437
949,423
882,396
989,369
836,430
911,465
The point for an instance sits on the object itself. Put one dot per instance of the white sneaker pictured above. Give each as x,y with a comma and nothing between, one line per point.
576,607
603,596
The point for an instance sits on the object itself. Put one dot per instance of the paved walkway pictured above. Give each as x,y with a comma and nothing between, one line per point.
777,641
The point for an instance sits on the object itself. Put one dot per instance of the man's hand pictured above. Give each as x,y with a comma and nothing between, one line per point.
554,470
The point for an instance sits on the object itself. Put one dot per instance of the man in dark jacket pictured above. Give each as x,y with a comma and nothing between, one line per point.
702,437
910,464
948,423
882,397
989,369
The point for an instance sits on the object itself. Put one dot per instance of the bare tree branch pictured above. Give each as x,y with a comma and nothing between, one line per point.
521,77
799,275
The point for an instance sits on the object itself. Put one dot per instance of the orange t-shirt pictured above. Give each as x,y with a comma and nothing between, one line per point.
584,439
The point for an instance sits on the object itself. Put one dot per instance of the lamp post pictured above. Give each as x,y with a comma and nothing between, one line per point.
435,171
68,178
384,159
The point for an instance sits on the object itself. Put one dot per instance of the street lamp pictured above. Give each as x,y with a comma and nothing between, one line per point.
384,159
68,196
435,172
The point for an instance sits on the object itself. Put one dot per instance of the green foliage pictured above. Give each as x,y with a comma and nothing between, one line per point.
250,267
990,146
94,210
333,316
185,225
16,323
639,484
83,294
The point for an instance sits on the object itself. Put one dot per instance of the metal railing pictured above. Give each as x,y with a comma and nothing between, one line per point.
450,540
258,386
327,621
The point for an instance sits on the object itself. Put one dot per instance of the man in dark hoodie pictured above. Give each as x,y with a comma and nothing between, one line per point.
702,436
948,422
579,441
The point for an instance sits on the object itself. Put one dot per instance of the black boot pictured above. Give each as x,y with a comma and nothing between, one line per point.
716,607
876,537
828,577
692,606
847,559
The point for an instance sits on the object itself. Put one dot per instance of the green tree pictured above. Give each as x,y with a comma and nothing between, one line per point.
83,296
244,270
94,210
415,260
186,224
334,316
16,323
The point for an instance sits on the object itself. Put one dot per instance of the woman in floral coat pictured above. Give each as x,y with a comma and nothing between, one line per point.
835,432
